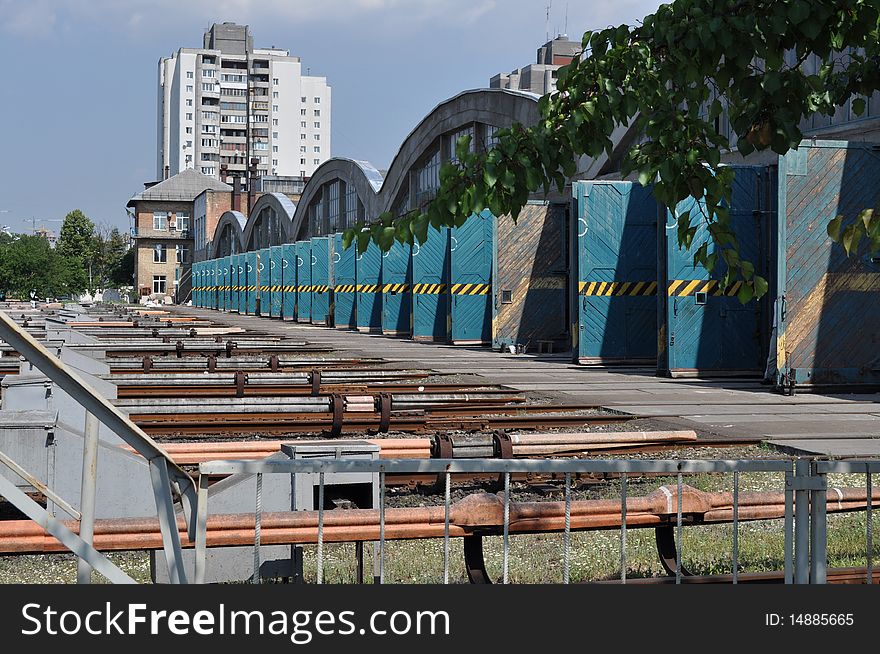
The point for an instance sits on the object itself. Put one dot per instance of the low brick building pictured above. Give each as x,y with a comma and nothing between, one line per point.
163,232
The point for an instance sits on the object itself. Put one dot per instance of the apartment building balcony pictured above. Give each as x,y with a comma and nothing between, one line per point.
162,235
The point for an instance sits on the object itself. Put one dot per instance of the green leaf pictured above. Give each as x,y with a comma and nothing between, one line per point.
761,286
866,216
799,11
645,177
858,106
748,269
834,228
850,239
745,293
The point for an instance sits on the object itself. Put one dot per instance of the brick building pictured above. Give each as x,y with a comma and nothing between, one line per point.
163,231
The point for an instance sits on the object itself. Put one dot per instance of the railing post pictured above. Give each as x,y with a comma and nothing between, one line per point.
167,520
801,522
87,493
818,528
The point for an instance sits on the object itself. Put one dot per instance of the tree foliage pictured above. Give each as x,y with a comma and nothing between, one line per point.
671,77
28,262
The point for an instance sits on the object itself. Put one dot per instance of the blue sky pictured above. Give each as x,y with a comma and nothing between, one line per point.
79,86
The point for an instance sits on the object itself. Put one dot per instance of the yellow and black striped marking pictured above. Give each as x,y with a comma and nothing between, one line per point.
320,288
289,289
369,288
429,289
685,287
395,288
608,289
471,289
345,288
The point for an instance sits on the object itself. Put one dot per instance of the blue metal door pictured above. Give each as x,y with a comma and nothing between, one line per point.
397,290
706,329
275,280
233,282
369,299
241,267
304,281
617,272
471,280
218,284
264,297
344,284
288,281
251,271
196,282
828,303
321,280
430,266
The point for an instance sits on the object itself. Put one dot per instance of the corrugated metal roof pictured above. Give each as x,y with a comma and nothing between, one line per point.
183,187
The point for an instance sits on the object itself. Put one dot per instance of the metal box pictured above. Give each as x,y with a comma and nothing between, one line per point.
615,245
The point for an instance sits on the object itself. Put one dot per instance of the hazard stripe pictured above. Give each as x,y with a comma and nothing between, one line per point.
618,289
687,287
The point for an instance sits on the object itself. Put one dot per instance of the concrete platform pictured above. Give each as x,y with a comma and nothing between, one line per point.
724,408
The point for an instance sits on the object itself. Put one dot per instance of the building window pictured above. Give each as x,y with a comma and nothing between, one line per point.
160,253
189,116
317,100
189,74
275,122
183,222
274,162
159,218
275,81
274,135
302,112
189,88
208,73
189,130
182,254
189,102
303,124
274,148
158,283
207,170
317,161
274,94
317,125
302,148
302,162
302,173
317,148
302,136
189,144
317,112
317,137
274,107
208,86
303,99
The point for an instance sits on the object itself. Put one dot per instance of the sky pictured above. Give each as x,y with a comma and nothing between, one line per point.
79,85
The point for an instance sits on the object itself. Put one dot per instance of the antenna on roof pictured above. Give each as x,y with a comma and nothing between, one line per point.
547,24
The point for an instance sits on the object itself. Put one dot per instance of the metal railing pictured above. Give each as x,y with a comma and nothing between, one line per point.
794,520
168,480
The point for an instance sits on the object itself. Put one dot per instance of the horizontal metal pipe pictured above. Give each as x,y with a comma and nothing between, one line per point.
481,514
577,438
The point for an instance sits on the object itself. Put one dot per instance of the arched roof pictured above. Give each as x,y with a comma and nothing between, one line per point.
497,107
284,207
236,221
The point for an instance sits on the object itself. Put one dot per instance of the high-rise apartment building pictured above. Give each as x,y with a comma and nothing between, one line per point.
228,103
540,77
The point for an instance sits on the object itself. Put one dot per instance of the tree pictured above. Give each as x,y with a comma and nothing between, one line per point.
28,262
671,77
110,250
76,243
